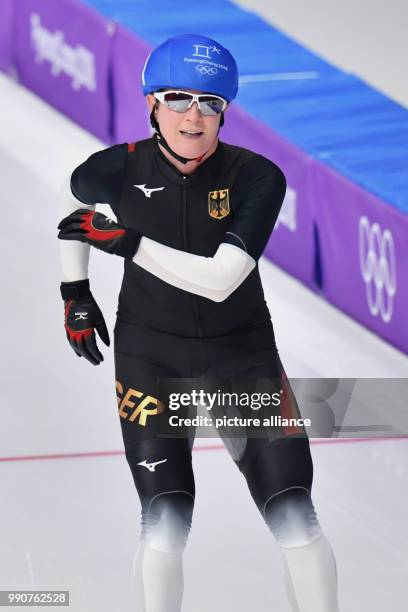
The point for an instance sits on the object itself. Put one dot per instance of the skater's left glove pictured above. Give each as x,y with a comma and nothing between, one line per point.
99,231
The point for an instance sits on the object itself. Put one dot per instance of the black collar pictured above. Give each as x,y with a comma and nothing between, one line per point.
206,171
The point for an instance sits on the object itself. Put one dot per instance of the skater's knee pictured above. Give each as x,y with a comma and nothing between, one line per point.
291,517
276,466
167,522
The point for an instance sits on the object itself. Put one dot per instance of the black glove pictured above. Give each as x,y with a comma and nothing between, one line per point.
82,317
99,231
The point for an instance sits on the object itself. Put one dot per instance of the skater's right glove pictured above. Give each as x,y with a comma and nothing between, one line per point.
82,317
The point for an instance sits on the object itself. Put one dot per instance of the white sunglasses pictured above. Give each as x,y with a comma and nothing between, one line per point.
181,101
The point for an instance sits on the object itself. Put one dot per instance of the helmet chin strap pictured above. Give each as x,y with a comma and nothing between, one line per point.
165,145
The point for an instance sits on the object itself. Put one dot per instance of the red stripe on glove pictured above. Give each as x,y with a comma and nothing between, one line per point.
96,234
77,335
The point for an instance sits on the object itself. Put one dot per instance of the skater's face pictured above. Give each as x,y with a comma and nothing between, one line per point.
190,134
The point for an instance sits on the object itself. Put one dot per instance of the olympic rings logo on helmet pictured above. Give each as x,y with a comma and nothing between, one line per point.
209,70
378,268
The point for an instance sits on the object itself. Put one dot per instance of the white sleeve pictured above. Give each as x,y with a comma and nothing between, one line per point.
212,277
74,254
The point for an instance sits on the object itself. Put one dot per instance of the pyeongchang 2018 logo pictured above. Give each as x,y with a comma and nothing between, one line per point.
76,62
203,57
378,268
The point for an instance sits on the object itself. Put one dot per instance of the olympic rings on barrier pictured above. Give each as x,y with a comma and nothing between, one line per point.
378,268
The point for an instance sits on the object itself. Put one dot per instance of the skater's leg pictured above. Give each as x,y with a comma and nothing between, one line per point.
166,491
284,469
161,465
311,574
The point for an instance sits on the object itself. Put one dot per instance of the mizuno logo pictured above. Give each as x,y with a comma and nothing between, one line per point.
148,192
81,316
151,466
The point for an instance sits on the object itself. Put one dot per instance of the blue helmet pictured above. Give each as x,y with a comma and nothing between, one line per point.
191,61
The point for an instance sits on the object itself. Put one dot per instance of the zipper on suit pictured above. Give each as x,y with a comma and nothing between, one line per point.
186,246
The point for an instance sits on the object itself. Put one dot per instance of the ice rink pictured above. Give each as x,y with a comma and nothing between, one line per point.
69,513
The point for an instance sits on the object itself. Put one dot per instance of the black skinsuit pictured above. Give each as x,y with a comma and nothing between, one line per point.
163,332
